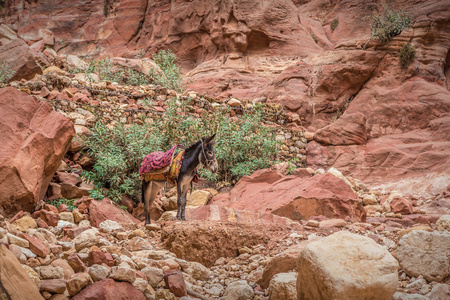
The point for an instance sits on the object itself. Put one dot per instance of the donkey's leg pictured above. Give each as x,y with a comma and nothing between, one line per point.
182,189
183,201
153,190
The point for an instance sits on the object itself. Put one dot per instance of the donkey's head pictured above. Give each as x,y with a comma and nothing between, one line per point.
208,156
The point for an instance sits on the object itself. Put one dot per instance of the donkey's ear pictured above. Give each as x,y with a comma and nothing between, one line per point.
208,140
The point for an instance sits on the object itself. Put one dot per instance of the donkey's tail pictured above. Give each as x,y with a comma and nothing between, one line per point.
142,192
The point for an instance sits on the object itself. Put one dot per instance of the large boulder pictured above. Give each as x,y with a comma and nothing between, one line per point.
207,241
19,57
425,253
34,139
105,209
297,198
346,266
108,289
15,282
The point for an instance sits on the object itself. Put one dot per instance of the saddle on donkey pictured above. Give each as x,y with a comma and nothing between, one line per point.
163,166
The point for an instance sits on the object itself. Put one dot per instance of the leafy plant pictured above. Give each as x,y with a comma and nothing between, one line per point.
5,72
316,40
118,151
389,24
334,24
106,70
57,202
170,75
407,54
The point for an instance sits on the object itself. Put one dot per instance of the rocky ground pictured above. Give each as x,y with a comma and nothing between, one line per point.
65,256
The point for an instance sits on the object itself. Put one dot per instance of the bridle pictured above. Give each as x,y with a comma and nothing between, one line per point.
209,162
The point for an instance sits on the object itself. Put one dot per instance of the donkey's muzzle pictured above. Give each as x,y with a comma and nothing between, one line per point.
214,167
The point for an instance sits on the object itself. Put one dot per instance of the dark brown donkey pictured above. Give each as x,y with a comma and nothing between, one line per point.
200,152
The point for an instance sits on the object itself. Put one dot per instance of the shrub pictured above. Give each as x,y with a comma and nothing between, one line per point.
241,147
57,202
118,151
316,40
389,24
406,55
5,72
106,70
334,24
170,76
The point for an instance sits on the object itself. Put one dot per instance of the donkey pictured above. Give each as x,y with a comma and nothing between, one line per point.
202,152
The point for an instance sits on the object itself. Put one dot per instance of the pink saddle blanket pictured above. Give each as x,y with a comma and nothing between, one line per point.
157,160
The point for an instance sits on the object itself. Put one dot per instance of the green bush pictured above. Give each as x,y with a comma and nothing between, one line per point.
389,24
171,76
57,202
407,54
5,72
241,147
316,40
118,151
106,70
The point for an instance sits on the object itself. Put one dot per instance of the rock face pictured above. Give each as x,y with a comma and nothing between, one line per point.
16,284
425,253
33,141
346,266
297,198
194,242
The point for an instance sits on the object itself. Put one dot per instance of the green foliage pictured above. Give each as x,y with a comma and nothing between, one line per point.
57,202
334,24
389,24
118,151
106,70
316,40
170,75
241,147
407,54
5,72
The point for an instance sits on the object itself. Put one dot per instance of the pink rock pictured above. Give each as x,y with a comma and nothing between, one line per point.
41,223
37,128
332,223
401,205
62,208
108,289
17,216
36,246
293,197
175,282
100,211
73,232
76,263
51,208
49,217
96,258
55,286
